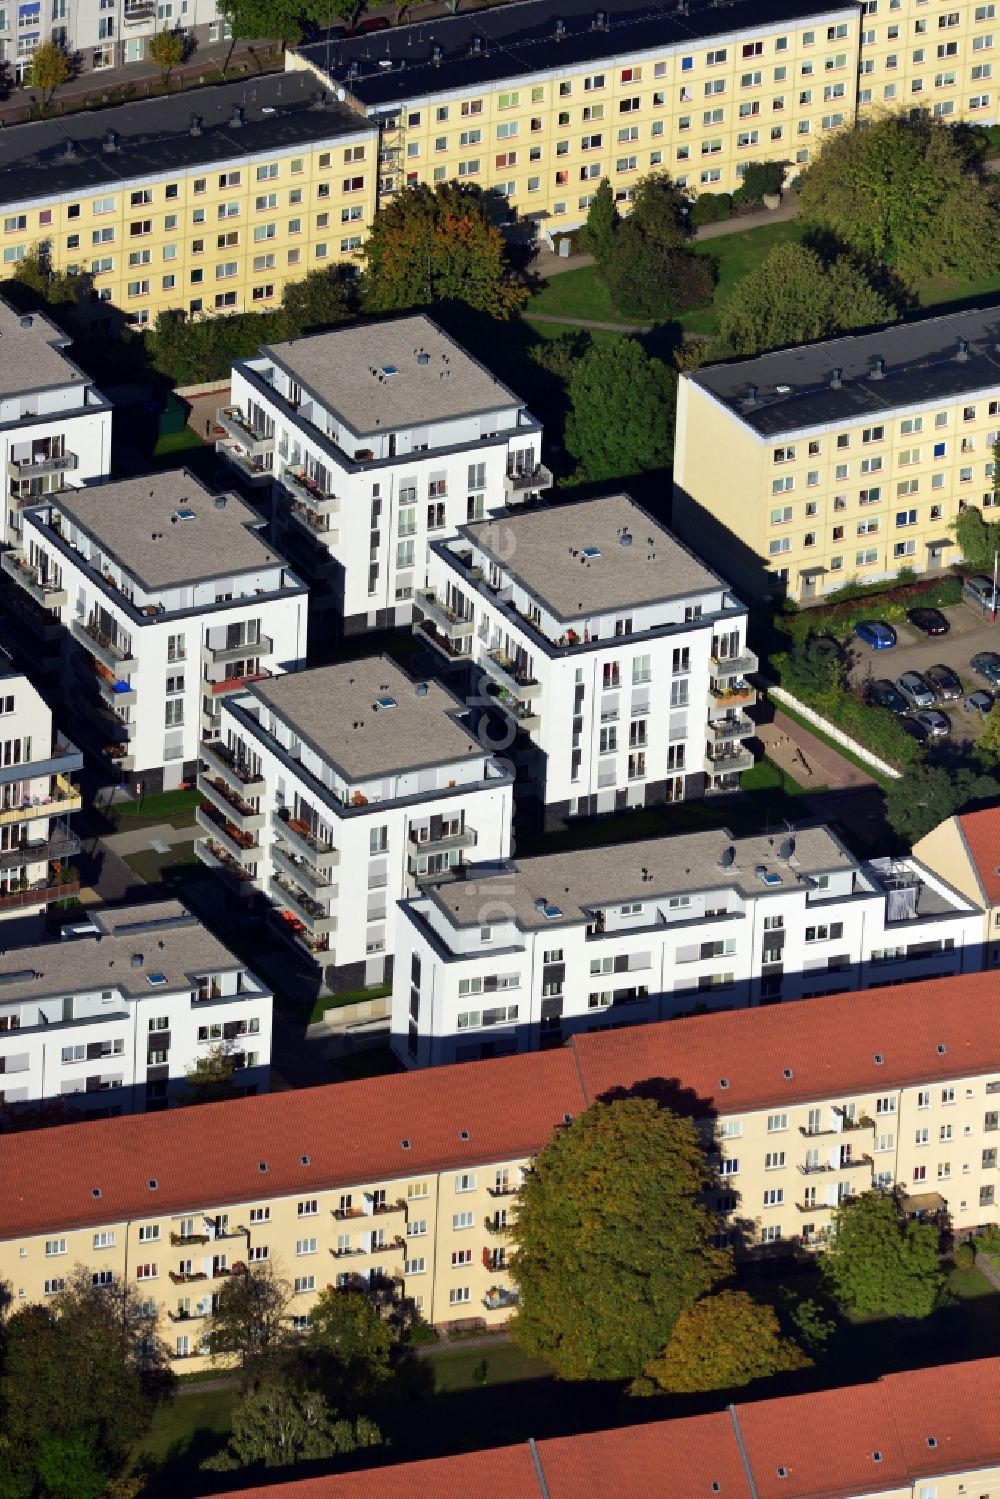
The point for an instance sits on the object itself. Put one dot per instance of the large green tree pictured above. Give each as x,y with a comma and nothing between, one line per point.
437,244
279,1425
621,415
348,1347
879,1264
906,190
80,1379
792,296
49,67
317,300
250,1324
928,794
598,233
647,268
720,1343
978,539
613,1240
166,49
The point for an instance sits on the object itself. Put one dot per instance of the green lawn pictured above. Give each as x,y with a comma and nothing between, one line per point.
185,1430
476,1368
576,294
337,1001
177,442
735,254
768,777
178,867
175,807
968,1285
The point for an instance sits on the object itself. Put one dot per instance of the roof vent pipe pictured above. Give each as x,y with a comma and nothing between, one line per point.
437,55
236,118
110,140
836,379
560,30
195,126
963,350
878,368
750,399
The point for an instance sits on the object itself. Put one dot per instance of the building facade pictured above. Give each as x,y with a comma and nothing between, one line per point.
170,599
202,203
110,1020
524,954
100,35
615,657
801,1105
337,792
37,799
375,438
965,851
854,456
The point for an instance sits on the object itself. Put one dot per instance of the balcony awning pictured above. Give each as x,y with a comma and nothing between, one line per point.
812,572
923,1202
944,541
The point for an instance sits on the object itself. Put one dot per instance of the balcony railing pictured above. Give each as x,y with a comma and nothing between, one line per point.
519,484
232,420
63,799
309,492
455,626
845,1163
139,11
499,1296
43,893
103,646
729,764
212,854
297,835
60,844
232,806
217,655
525,715
723,729
511,676
221,758
315,881
733,695
465,838
452,650
243,847
730,666
27,468
315,917
49,595
235,684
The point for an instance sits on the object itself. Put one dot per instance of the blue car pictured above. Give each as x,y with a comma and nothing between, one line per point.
881,637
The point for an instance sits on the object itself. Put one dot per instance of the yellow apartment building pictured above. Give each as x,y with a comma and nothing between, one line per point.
843,461
408,1182
965,850
205,202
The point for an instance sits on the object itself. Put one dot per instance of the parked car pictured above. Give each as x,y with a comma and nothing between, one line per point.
987,664
944,683
928,621
916,691
914,729
979,701
876,633
881,693
934,721
979,590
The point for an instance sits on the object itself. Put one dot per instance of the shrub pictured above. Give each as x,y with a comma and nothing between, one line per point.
964,1256
841,610
988,1242
711,208
760,179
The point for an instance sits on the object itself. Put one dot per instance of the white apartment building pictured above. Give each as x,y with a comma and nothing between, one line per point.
522,954
171,598
37,798
618,656
55,433
111,1019
377,438
102,34
339,791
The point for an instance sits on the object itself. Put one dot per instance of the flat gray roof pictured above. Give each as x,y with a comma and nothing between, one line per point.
922,361
135,522
544,550
332,708
682,864
31,356
168,938
347,370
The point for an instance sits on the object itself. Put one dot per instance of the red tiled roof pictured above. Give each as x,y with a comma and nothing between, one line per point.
210,1155
681,1459
823,1443
827,1047
981,831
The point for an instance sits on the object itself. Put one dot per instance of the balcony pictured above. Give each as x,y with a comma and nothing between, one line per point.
724,729
42,893
28,468
314,522
233,422
235,684
63,799
451,650
517,486
117,692
242,847
217,655
253,470
510,676
845,1163
103,647
294,931
309,493
60,844
467,838
220,757
496,1225
49,595
138,12
241,814
735,666
736,695
446,620
214,856
314,916
313,880
298,837
730,764
498,1297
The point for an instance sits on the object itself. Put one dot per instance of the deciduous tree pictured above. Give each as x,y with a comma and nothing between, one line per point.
50,66
647,279
928,794
720,1343
319,299
279,1425
622,412
598,233
880,1265
211,1077
792,297
614,1240
978,539
249,1325
436,244
166,49
348,1347
906,190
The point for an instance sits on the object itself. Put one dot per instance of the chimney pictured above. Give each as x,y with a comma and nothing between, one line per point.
836,379
236,118
69,151
963,350
877,371
195,126
750,399
110,141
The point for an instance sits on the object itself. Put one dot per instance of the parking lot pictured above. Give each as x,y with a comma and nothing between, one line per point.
969,632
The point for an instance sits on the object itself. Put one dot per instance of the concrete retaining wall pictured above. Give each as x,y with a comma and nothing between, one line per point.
779,695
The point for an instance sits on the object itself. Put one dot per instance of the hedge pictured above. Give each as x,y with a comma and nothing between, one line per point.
841,612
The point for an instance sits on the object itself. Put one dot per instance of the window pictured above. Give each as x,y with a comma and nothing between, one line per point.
54,1247
304,1283
459,1295
776,1122
146,1272
463,1220
148,1232
305,1246
465,1182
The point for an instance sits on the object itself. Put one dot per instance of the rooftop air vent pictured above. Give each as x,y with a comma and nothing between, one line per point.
963,350
600,21
110,141
567,1119
783,390
423,357
932,1441
303,1160
27,321
476,47
877,371
547,909
723,1082
95,1191
220,502
261,1165
625,539
152,1184
195,126
941,1049
727,858
353,70
137,960
879,1059
405,1144
787,1074
560,30
876,1457
236,118
318,100
69,151
836,379
421,689
437,54
463,1134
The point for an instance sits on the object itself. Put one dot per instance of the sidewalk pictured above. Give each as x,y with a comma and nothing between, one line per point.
137,841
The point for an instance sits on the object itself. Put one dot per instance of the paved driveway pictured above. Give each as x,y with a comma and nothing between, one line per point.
969,633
